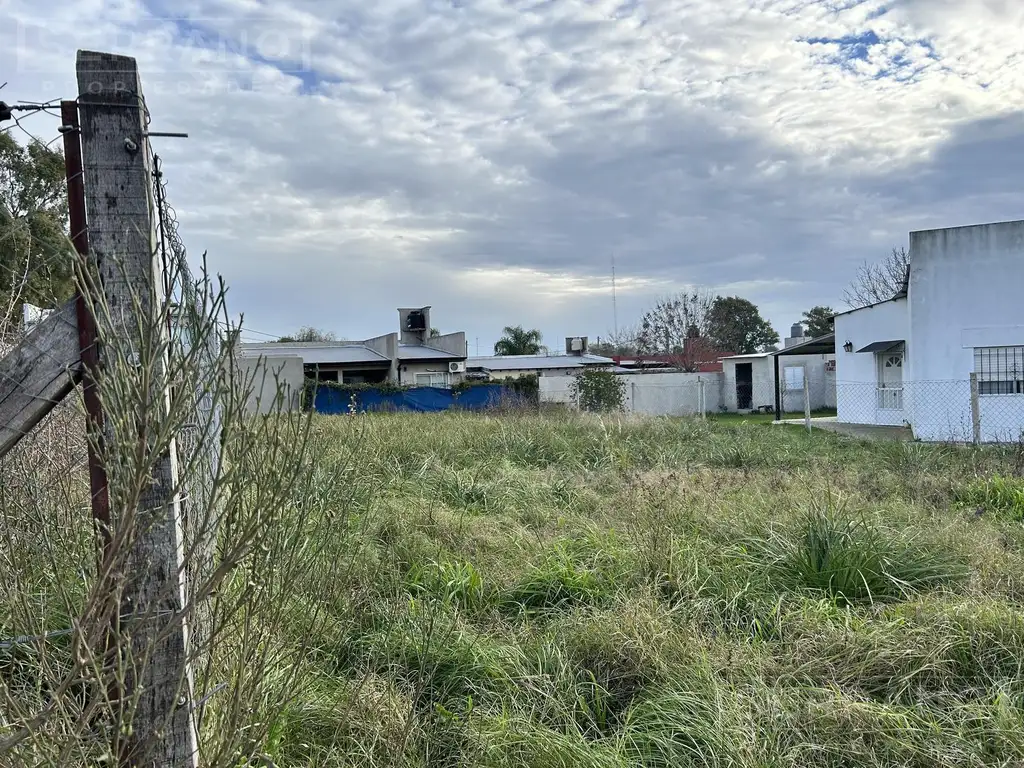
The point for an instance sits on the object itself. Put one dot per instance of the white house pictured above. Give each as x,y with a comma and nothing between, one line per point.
910,360
774,381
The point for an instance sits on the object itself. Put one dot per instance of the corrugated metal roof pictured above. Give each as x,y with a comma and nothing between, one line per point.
535,362
316,353
419,352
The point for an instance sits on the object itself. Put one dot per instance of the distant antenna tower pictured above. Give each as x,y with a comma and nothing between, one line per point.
615,302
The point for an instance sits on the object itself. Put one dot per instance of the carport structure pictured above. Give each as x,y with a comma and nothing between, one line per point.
820,345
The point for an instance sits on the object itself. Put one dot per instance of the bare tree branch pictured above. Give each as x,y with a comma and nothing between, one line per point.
878,282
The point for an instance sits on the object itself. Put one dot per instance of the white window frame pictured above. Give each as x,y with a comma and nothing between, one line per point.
794,383
435,379
1000,371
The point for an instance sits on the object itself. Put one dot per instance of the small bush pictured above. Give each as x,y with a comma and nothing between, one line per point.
598,391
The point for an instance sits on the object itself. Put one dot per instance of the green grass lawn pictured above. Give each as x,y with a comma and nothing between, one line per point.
765,418
571,591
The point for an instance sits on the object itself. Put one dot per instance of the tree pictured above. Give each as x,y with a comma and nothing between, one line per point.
518,341
819,321
434,333
309,333
880,281
676,328
736,324
598,391
36,257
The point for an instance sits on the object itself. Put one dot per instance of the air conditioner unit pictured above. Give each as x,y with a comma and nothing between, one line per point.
459,367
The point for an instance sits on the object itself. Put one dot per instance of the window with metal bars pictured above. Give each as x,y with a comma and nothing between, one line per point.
1000,370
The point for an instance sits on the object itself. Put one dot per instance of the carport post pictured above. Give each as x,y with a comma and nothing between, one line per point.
778,392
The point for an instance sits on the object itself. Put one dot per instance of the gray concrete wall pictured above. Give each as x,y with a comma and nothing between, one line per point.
452,343
386,345
272,384
413,337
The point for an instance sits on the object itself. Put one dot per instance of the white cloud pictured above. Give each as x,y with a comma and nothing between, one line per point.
488,157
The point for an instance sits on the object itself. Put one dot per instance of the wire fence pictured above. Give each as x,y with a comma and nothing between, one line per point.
935,411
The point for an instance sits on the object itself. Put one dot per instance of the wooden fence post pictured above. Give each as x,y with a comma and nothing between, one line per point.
120,211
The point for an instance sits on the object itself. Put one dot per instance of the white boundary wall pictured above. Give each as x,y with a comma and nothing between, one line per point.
651,394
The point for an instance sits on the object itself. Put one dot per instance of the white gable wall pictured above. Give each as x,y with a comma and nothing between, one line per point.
857,372
966,290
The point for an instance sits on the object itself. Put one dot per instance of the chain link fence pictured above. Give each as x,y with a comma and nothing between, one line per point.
936,411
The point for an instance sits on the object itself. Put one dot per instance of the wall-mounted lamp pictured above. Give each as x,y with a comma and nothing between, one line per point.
848,346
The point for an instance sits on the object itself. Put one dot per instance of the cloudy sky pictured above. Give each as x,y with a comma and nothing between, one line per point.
491,157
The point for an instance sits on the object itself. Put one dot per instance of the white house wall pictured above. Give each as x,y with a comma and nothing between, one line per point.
763,370
857,372
822,382
651,394
407,371
965,292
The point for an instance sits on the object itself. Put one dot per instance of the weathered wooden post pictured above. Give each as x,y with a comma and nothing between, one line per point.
120,211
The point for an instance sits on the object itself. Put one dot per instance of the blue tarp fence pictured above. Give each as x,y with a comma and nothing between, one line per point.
333,400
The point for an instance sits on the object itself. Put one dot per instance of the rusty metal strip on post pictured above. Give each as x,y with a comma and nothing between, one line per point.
88,333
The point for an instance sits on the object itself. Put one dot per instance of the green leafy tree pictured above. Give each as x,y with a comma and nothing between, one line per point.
595,390
518,341
36,257
818,321
736,324
309,333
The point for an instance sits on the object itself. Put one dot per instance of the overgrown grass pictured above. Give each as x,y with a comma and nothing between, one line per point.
563,590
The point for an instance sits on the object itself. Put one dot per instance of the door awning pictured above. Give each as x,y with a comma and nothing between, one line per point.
881,346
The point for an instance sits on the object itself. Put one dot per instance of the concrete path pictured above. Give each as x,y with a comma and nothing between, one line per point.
864,431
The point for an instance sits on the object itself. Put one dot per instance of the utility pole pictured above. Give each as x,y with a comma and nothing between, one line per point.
615,302
118,178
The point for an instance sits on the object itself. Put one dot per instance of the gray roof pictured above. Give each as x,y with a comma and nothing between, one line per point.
818,345
535,362
420,352
316,353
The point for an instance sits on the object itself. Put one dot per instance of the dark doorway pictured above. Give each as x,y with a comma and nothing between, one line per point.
744,386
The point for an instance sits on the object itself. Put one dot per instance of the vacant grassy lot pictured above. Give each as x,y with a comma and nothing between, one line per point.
529,591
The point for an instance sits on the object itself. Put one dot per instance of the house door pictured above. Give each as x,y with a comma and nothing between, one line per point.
890,381
744,386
